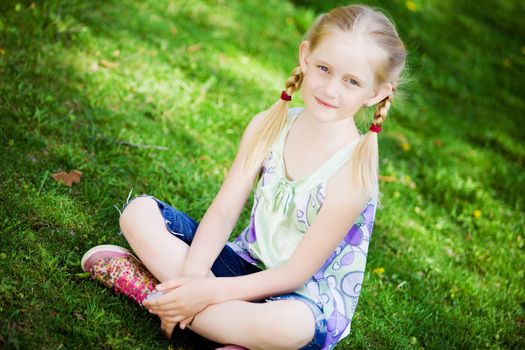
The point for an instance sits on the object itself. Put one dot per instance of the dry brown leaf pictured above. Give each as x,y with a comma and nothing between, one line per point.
108,64
68,178
194,48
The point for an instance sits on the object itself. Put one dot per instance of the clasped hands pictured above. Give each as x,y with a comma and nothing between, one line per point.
184,297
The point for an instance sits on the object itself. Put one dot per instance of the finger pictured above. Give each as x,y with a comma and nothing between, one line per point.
186,322
167,308
169,296
173,318
170,305
174,283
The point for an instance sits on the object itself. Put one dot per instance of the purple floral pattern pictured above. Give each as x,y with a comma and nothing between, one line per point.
336,286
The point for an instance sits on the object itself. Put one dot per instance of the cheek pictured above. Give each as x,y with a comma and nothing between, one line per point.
312,81
353,101
307,85
355,95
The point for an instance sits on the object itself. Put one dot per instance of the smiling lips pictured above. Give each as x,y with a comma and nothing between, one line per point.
324,104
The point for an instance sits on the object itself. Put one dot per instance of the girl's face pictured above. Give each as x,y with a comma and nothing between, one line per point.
339,76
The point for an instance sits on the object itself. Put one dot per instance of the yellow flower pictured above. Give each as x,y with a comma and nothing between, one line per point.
2,52
405,146
379,270
476,213
523,50
411,5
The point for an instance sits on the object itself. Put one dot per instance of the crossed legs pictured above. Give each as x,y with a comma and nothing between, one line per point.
281,324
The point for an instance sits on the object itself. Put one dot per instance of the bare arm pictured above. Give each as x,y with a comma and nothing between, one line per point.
342,207
222,215
189,295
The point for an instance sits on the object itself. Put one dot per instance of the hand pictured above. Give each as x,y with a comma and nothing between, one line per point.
184,297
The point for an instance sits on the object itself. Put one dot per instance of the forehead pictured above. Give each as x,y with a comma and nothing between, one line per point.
350,53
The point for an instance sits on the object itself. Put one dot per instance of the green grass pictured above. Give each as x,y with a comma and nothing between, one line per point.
188,77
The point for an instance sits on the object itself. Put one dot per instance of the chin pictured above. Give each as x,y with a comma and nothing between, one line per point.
320,113
324,116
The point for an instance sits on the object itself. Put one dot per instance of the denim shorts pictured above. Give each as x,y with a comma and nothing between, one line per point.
230,264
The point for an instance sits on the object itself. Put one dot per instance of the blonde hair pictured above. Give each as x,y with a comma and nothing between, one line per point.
359,19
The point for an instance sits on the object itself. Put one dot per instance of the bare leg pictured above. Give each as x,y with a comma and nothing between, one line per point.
282,324
144,229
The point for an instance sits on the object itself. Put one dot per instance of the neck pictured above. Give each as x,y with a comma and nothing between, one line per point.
331,134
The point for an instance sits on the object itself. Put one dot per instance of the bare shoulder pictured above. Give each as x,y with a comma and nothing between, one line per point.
340,190
254,123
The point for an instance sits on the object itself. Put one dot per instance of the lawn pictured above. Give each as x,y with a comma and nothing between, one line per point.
152,97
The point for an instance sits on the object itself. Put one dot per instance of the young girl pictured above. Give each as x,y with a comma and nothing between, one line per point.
292,278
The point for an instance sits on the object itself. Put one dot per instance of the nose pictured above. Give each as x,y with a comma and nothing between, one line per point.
332,87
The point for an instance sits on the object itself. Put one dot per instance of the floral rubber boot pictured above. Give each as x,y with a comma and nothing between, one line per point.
115,267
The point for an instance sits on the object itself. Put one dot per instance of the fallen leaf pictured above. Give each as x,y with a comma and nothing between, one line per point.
68,178
174,31
108,64
194,48
438,142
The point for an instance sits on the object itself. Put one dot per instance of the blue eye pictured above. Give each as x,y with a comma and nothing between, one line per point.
323,68
353,82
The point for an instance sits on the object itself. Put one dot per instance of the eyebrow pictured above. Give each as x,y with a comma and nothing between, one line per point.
323,61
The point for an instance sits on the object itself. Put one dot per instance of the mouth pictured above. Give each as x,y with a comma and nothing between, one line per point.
325,104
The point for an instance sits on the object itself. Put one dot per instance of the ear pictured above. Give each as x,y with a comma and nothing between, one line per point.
380,93
304,53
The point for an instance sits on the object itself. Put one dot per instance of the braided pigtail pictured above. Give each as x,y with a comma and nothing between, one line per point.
365,156
382,111
269,129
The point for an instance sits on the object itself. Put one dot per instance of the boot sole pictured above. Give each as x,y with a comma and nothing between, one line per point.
109,248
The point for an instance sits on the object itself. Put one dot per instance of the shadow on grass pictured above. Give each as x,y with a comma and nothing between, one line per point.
57,120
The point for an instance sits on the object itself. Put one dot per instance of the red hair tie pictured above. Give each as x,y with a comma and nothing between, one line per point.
375,128
285,96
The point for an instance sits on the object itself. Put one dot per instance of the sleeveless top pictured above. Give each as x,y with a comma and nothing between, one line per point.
282,212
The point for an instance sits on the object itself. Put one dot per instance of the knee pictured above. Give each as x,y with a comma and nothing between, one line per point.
133,212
